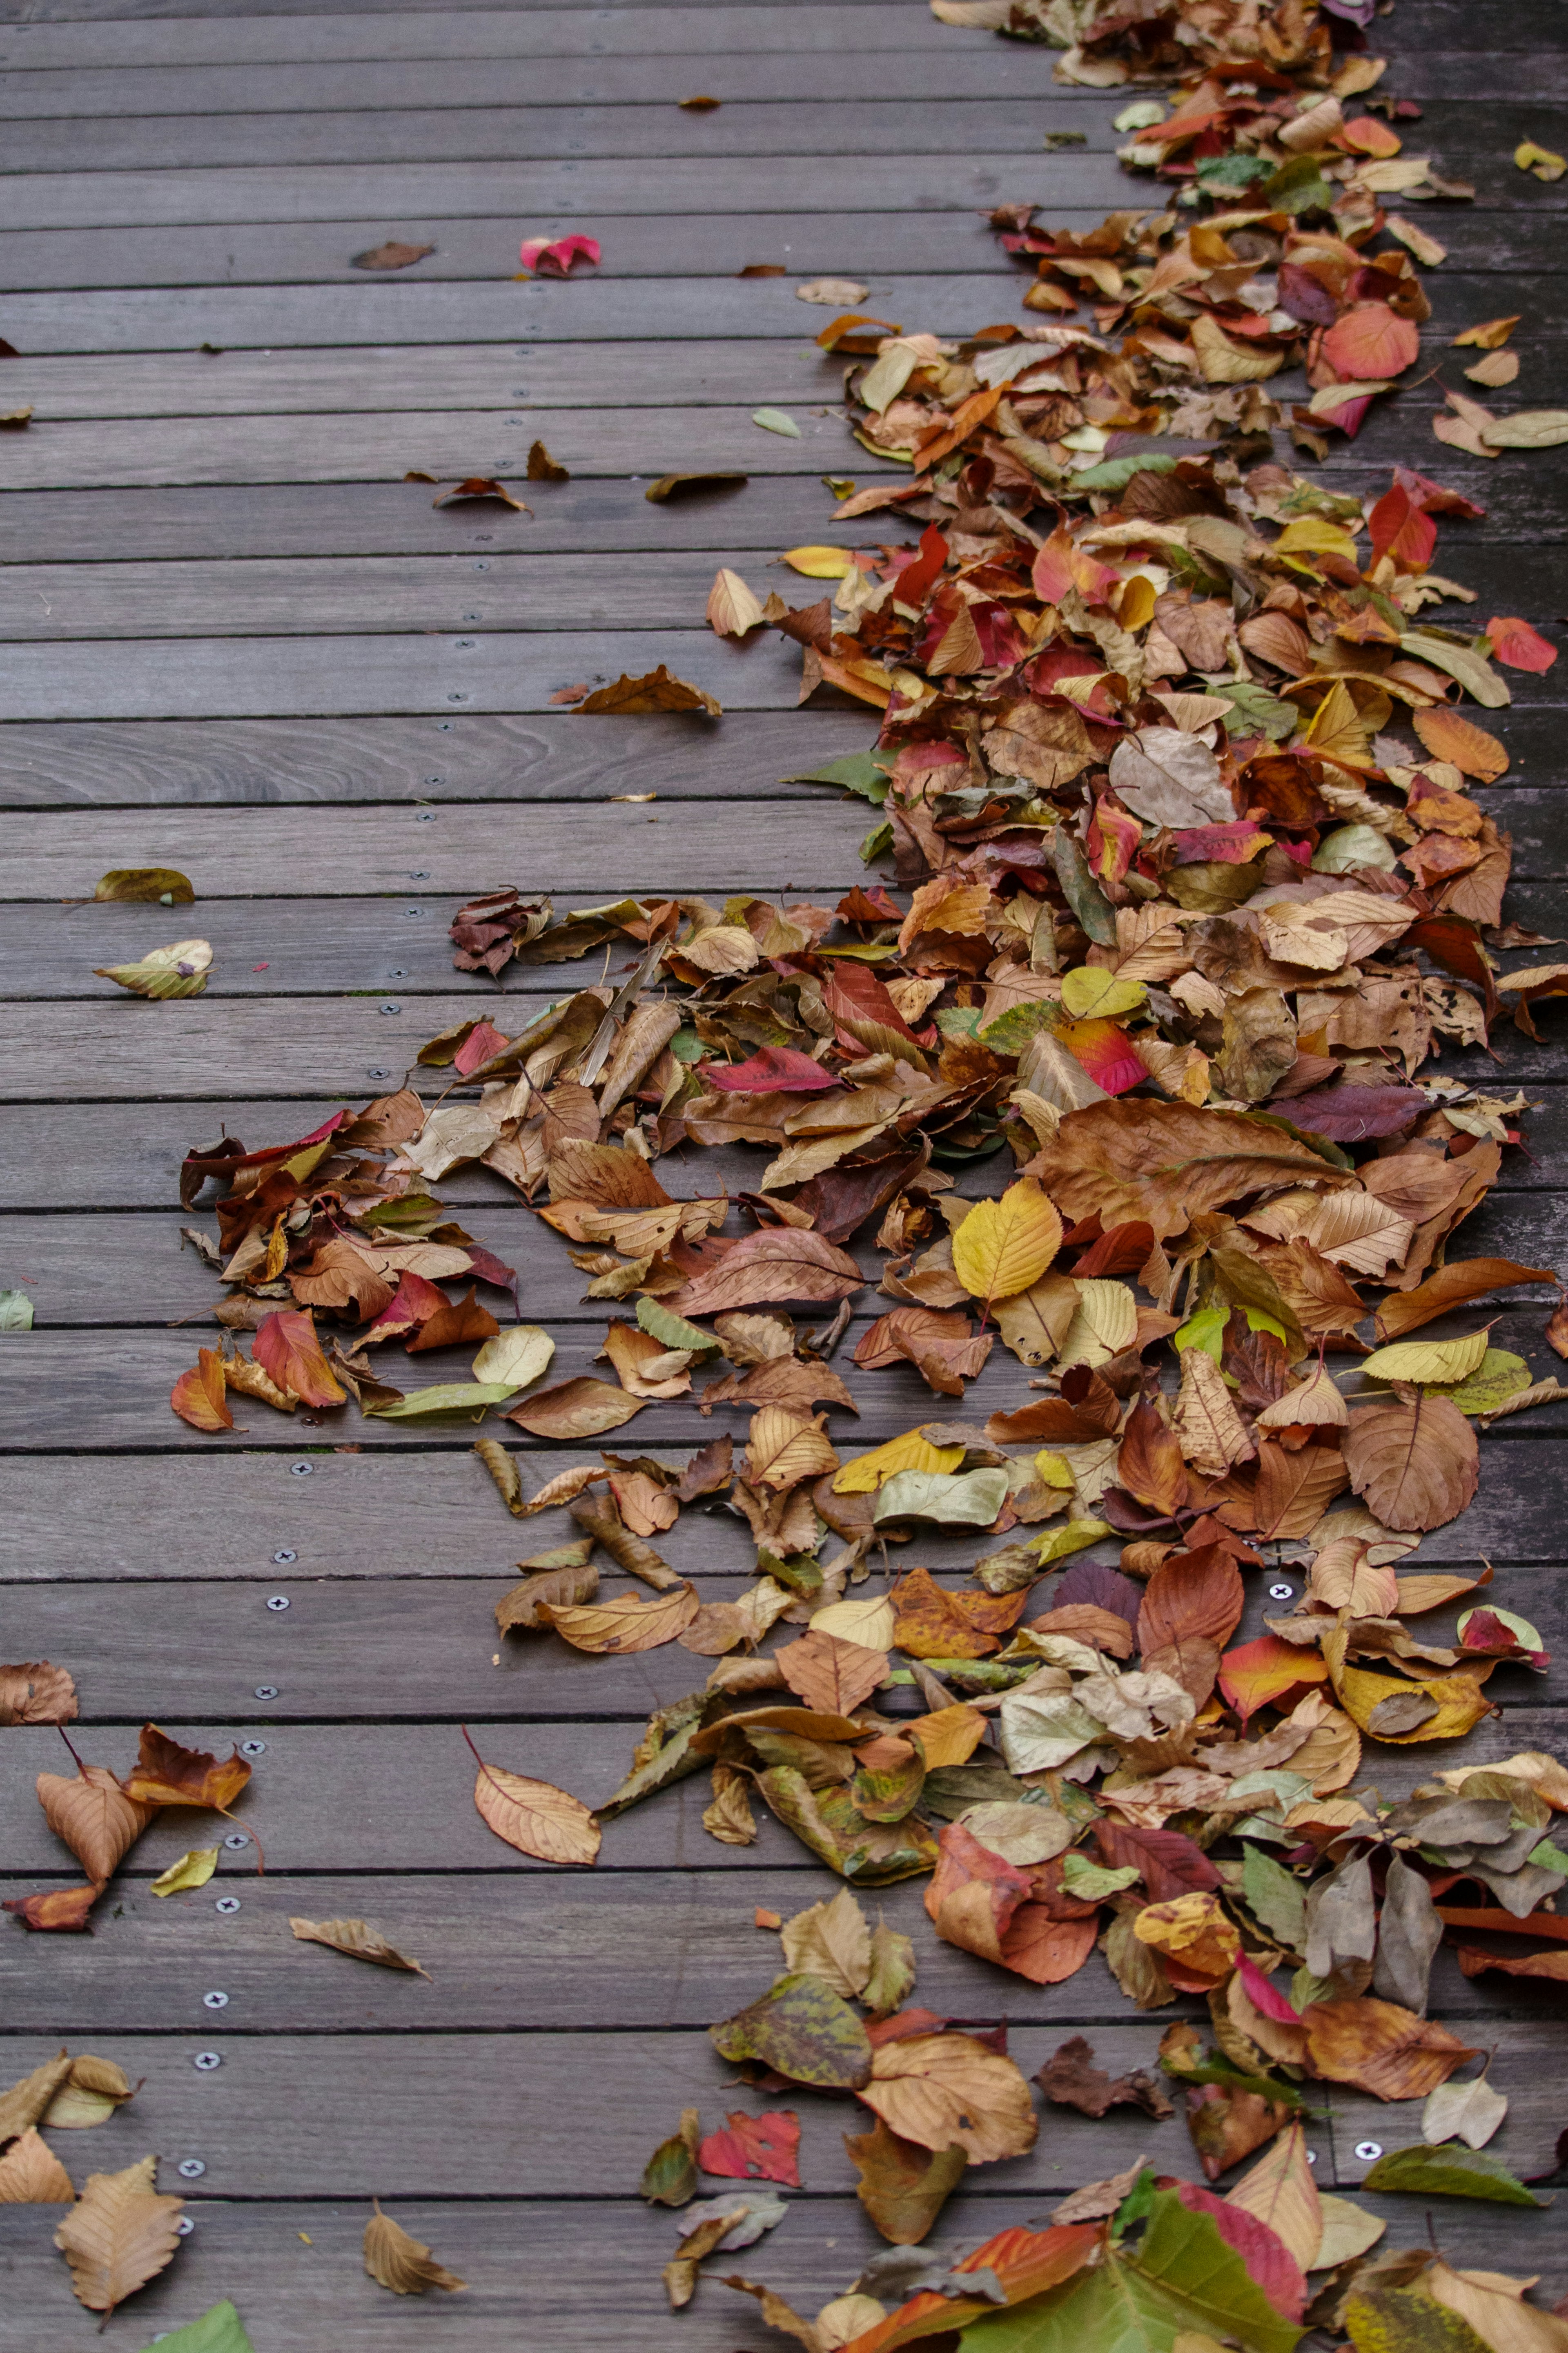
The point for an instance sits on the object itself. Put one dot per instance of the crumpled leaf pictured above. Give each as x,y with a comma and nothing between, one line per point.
37,1693
902,2186
1381,2048
394,2259
164,884
93,1815
657,690
360,1939
193,1869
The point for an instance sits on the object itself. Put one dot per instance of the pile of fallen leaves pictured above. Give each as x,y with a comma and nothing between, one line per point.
1192,891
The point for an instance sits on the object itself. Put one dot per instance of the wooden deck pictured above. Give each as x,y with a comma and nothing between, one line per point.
237,641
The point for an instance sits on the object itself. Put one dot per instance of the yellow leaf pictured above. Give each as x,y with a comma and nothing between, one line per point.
1090,990
1281,2193
1003,1247
1459,1705
1311,535
869,1621
1540,160
1054,1469
949,1736
193,1869
1427,1360
820,563
1106,1322
1490,335
782,1450
908,1451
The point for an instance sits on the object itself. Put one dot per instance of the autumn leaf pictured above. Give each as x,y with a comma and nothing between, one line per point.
782,1450
192,1869
358,1938
583,1407
119,2235
179,970
902,2186
625,1624
1414,1464
1381,2048
166,1774
657,690
732,610
755,2148
535,1816
94,1816
776,1263
802,2028
32,2175
393,2260
58,1910
829,1673
946,2090
197,1396
287,1349
164,885
1004,1247
37,1693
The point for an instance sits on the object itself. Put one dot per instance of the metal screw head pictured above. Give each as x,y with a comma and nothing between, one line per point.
276,1601
206,2061
1311,2156
301,1470
237,1839
421,874
378,1074
191,2168
1282,1593
398,972
266,1690
284,1557
464,645
457,698
183,2230
389,1008
473,617
413,915
253,1747
225,1905
423,816
215,2001
1368,2150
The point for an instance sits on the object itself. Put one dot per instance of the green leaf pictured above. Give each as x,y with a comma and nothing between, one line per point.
857,772
1011,1031
663,1756
950,1499
805,2030
1299,187
1497,1376
879,843
1182,2279
162,886
470,1399
1462,658
1450,2172
220,2331
1274,1897
1117,472
773,420
1255,707
1092,1882
15,1311
673,1331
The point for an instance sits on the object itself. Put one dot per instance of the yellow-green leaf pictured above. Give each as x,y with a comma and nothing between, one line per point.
867,1620
193,1869
1106,1322
1540,160
1004,1246
1072,1536
516,1355
164,885
179,970
1090,992
1426,1360
908,1451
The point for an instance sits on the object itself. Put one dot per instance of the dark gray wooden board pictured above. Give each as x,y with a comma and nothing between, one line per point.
402,1550
650,1949
585,2273
99,1391
420,1513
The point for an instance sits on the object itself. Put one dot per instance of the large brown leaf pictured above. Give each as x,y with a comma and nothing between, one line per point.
32,2175
583,1407
1191,1607
943,2090
535,1817
902,2186
1150,1464
119,2235
833,1676
1415,1460
93,1815
1454,1286
776,1263
166,1774
627,1624
1381,2048
1168,1161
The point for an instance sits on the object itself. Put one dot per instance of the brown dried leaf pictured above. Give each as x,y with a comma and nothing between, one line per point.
37,1693
625,1624
536,1817
32,2175
359,1939
393,2260
92,1814
1415,1463
583,1407
655,690
119,2235
833,1676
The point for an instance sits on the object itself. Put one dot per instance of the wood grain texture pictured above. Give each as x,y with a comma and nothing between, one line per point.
344,596
421,1514
100,1392
584,2273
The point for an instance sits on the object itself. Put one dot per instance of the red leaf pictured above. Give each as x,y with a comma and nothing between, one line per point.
773,1069
1270,2263
411,1306
1401,529
1171,1864
755,2148
482,1041
554,260
1520,647
1263,1996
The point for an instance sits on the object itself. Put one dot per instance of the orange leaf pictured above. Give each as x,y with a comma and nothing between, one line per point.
197,1396
1520,647
1381,2048
1262,1673
933,1623
1370,341
287,1348
164,1774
